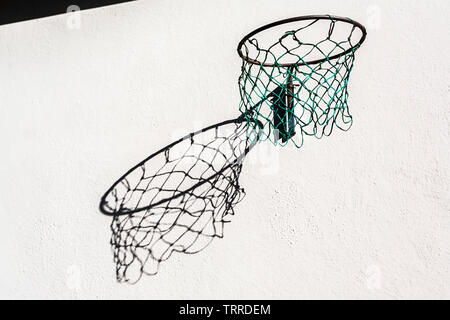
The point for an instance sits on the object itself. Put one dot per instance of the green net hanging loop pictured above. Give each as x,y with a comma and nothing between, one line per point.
295,74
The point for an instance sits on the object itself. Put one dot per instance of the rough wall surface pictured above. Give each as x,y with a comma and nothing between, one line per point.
362,214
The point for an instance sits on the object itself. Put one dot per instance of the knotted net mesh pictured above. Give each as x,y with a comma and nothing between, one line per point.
178,199
297,86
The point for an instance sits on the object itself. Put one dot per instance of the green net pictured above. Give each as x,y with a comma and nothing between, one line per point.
297,86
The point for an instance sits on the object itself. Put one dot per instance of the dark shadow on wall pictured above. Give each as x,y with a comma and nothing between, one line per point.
22,10
178,199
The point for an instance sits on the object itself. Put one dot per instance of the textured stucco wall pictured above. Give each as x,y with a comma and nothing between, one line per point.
362,214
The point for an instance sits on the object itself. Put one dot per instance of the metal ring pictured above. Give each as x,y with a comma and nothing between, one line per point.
301,18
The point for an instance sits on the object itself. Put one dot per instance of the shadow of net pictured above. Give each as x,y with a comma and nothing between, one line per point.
178,199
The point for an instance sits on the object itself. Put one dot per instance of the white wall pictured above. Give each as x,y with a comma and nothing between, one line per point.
362,214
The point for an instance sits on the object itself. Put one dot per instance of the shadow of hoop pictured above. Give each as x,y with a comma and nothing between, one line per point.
178,199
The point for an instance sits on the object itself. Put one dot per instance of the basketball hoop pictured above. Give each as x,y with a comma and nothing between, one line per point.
295,74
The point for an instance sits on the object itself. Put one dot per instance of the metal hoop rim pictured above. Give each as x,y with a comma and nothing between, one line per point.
302,18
